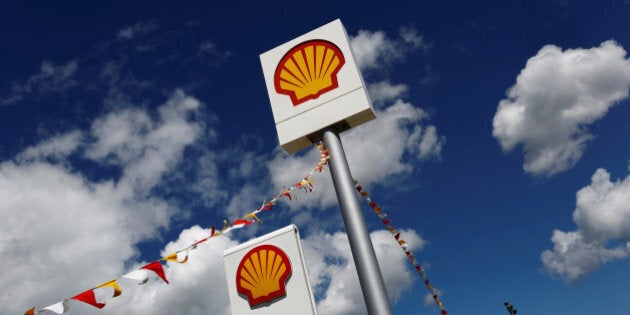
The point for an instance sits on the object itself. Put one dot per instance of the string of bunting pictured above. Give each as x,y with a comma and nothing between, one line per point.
378,210
104,291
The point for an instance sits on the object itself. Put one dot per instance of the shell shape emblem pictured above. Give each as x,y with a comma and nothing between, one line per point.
309,70
262,274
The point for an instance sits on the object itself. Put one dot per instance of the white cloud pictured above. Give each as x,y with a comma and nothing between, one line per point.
196,287
556,97
210,49
391,145
575,256
146,148
51,78
59,226
384,91
374,50
139,29
603,207
602,215
57,147
410,35
369,46
333,275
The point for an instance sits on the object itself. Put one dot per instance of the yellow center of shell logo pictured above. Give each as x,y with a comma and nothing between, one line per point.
309,70
262,274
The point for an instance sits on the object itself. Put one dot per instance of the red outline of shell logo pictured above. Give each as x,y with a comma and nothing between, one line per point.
262,274
309,70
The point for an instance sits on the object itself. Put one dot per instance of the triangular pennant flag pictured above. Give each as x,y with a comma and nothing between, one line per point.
156,267
241,223
174,257
30,312
112,284
139,275
88,298
59,308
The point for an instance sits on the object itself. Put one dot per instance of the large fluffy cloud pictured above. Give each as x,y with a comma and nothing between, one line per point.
197,287
144,147
333,275
59,225
602,215
556,97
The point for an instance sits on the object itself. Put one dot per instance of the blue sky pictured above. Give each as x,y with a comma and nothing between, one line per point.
129,128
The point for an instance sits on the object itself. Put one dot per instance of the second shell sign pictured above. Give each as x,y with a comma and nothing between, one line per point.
313,83
267,275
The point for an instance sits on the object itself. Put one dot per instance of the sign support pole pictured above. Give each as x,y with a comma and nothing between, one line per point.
372,285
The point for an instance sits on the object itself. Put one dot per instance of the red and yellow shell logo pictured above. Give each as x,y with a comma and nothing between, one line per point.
262,274
309,70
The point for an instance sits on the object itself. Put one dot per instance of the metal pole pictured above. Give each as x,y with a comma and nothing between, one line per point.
370,278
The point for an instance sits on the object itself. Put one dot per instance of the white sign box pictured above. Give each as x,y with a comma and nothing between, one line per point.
313,83
267,276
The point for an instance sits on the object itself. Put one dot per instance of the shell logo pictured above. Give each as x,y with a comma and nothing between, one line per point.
262,274
309,70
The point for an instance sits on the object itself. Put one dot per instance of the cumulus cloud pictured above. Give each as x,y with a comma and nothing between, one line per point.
556,97
59,225
602,215
333,275
144,147
197,287
391,145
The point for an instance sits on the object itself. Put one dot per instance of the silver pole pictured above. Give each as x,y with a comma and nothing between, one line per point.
370,278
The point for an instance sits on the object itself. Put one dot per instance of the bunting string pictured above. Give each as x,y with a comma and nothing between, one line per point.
378,210
141,275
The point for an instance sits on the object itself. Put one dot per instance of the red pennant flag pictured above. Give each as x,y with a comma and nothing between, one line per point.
30,312
88,298
157,268
242,222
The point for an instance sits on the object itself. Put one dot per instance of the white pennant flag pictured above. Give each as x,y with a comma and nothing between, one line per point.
59,308
140,275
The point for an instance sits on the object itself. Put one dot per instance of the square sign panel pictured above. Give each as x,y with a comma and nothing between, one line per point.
314,83
267,276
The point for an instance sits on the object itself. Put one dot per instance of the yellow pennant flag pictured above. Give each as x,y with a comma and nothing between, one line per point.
112,284
173,257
